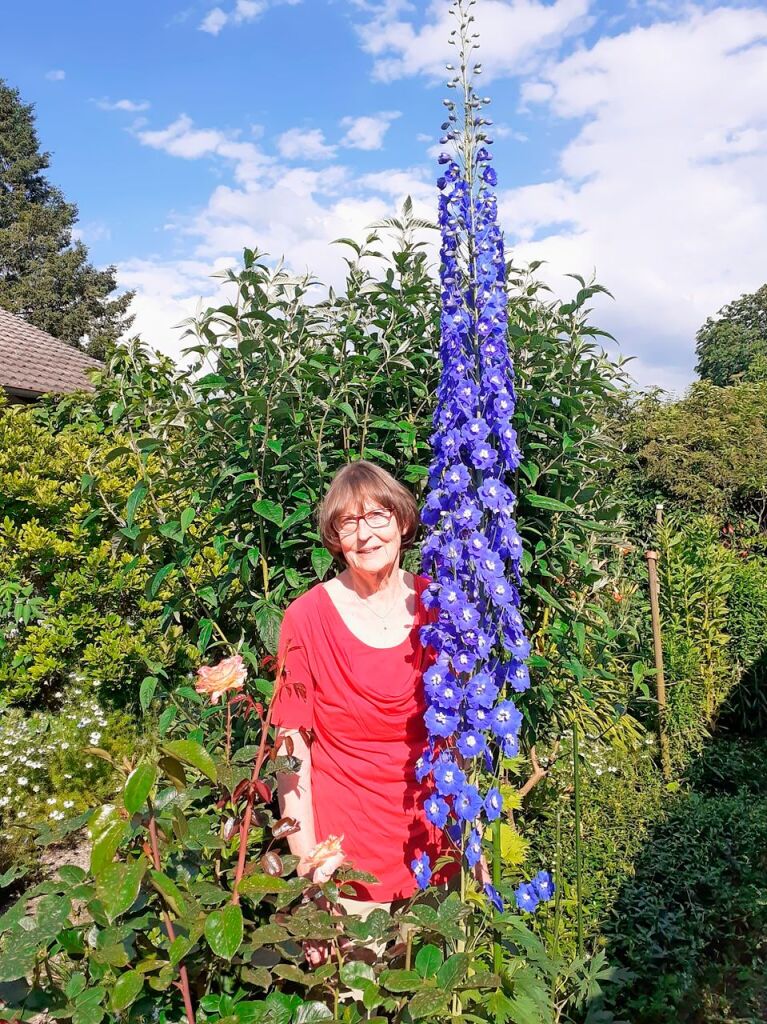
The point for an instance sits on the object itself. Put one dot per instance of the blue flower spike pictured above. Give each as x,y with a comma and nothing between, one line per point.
472,550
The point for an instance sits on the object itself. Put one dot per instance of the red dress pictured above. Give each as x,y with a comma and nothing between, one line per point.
365,706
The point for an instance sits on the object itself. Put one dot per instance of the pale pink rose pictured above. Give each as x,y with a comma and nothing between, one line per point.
325,858
228,675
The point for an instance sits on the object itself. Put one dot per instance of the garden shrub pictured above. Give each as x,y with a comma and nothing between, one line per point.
692,915
745,710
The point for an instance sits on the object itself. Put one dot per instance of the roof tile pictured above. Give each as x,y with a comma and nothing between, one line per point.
32,360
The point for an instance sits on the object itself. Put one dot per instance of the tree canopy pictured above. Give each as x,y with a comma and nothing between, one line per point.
733,344
45,276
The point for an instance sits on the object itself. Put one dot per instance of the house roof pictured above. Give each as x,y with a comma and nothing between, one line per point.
33,362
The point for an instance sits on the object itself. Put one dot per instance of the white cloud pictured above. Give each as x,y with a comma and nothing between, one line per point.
56,75
182,139
663,186
243,11
295,211
130,106
368,132
92,231
300,144
512,33
214,21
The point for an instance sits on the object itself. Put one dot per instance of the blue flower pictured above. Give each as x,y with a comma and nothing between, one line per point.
543,885
481,690
526,897
476,429
421,868
505,719
441,721
473,848
510,746
493,493
423,767
471,743
448,777
501,592
457,478
483,456
493,804
494,896
468,803
436,810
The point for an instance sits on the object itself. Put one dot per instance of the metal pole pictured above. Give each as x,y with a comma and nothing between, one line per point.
652,573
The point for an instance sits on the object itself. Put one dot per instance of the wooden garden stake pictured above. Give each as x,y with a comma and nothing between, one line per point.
652,572
578,854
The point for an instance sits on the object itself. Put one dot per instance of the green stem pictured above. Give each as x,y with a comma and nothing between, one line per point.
497,947
578,860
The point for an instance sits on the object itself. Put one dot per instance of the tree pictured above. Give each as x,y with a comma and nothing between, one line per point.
706,451
734,342
45,277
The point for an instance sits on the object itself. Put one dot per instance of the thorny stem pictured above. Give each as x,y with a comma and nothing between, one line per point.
182,971
248,816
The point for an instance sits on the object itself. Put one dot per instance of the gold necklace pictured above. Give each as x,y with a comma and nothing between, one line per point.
384,617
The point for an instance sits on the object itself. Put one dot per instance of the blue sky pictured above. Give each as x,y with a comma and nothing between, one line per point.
631,141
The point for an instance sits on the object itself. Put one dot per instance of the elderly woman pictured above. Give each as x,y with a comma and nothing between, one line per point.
353,670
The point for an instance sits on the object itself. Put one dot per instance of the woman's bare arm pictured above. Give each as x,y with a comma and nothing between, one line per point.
294,793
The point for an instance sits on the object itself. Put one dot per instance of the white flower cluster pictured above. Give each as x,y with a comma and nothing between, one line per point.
31,746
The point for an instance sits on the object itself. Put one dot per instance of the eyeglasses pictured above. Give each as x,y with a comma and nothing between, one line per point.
376,518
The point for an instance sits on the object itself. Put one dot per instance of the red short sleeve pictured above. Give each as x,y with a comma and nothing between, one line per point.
294,700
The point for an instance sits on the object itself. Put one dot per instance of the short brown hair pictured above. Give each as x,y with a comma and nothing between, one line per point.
348,489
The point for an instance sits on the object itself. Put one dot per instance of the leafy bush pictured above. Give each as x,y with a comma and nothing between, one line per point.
695,908
745,710
48,772
707,451
202,913
70,604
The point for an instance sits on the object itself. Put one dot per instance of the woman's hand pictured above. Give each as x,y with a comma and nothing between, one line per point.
482,871
316,951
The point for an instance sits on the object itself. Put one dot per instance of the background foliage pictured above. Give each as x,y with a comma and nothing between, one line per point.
147,528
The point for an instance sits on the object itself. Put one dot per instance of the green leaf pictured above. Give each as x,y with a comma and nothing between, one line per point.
179,948
186,519
118,886
261,885
169,891
544,502
354,971
138,786
74,985
156,582
452,971
137,495
165,719
126,989
401,981
428,1003
105,845
223,930
269,510
428,961
348,411
203,639
268,621
548,598
193,753
321,562
52,915
308,1013
147,691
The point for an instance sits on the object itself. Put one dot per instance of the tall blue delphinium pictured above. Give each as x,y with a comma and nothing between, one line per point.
473,549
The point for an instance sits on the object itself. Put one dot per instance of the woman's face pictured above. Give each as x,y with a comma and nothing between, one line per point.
365,548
